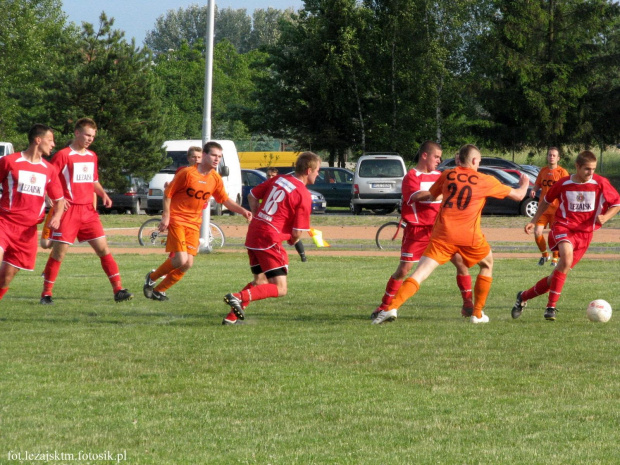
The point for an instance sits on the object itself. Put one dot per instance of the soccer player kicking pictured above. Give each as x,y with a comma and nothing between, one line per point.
184,200
281,207
547,177
457,230
418,217
79,176
583,197
26,178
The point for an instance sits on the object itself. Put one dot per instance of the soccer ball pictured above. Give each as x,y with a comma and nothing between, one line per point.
599,311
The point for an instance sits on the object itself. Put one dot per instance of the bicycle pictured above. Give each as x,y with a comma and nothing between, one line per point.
150,236
387,237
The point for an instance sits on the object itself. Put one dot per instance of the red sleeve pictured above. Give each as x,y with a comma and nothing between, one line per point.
54,188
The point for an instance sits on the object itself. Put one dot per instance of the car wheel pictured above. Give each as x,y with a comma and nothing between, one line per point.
355,209
529,207
382,211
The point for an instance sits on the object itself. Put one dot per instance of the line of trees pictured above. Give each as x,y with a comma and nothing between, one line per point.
340,76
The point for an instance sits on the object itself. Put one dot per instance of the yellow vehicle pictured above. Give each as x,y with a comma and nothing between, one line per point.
254,160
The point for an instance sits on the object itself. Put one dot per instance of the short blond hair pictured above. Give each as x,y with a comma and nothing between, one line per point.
306,161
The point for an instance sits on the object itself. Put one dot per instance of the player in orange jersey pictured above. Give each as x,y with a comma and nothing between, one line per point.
184,200
457,230
547,177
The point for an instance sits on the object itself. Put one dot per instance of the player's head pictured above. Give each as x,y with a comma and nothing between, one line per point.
85,132
194,155
43,137
307,165
429,155
272,172
469,155
211,155
553,156
586,165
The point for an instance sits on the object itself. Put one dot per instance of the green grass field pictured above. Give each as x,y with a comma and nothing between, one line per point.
308,379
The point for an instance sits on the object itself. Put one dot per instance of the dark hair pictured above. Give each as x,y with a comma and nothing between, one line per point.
426,147
38,130
211,145
553,148
464,152
305,161
585,157
85,123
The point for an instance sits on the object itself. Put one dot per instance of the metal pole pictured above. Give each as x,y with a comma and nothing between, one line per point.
205,231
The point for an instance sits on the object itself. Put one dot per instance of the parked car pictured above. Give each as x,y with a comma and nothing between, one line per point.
251,178
133,200
517,173
377,183
336,186
495,162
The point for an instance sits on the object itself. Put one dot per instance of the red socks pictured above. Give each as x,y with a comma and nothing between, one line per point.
111,270
50,273
391,289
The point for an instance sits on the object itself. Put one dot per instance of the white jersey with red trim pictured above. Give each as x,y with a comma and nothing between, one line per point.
78,173
286,205
419,213
581,203
24,185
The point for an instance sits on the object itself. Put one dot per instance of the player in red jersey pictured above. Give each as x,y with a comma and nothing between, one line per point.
547,178
586,202
26,178
184,199
418,217
281,208
80,180
457,230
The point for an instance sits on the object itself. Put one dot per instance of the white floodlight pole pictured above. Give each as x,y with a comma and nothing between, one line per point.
205,232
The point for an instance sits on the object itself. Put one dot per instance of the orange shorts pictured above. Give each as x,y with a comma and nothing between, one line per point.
442,252
546,219
182,239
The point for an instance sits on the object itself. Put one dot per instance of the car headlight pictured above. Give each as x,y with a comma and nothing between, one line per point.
317,197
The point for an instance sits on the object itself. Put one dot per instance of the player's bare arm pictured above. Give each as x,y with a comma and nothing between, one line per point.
236,208
295,236
254,204
59,209
107,201
602,219
165,216
542,206
421,196
519,193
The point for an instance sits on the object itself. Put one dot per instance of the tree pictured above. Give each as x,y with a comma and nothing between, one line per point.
535,66
102,76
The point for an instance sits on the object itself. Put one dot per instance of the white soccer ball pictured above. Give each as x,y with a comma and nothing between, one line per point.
599,311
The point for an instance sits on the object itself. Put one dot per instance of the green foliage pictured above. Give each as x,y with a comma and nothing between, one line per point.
308,379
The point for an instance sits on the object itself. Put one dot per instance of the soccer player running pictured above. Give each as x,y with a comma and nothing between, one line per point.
184,200
546,178
281,207
457,230
586,202
418,217
79,176
26,178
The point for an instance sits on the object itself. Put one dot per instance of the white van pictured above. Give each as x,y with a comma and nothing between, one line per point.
6,148
378,183
229,168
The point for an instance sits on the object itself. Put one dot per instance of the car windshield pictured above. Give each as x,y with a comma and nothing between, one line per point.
177,159
381,168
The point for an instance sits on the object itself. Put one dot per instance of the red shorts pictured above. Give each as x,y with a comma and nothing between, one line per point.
81,221
268,259
182,239
19,244
442,252
579,240
415,240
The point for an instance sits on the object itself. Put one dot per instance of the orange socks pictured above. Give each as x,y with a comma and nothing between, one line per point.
481,292
542,245
407,290
163,270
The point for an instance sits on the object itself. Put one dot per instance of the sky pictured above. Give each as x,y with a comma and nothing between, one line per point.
137,17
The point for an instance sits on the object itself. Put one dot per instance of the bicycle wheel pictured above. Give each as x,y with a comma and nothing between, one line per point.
388,237
216,236
149,234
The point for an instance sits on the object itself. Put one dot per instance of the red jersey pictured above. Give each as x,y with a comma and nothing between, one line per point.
189,192
464,193
286,205
419,213
581,203
78,173
24,186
